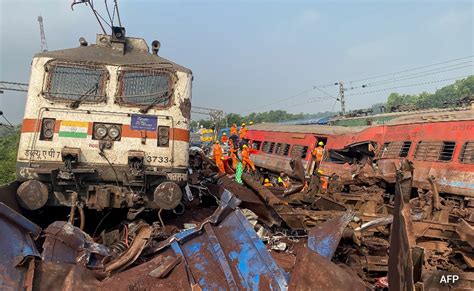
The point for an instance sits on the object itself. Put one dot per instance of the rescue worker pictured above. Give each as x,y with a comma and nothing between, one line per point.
318,153
233,130
246,161
267,183
233,154
324,180
283,180
218,157
224,138
234,134
243,132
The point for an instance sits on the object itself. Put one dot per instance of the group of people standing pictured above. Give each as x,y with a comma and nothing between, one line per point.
237,142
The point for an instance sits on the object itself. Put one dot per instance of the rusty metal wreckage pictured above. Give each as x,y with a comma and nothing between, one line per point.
255,238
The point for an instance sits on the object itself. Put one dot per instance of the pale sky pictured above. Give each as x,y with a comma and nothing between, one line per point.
249,55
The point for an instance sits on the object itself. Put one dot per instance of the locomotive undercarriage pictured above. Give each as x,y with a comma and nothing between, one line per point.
101,187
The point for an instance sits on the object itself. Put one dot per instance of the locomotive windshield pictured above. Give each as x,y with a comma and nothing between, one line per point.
75,82
149,88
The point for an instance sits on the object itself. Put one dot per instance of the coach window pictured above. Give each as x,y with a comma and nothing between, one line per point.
405,148
467,153
145,87
257,144
435,151
75,82
447,151
298,151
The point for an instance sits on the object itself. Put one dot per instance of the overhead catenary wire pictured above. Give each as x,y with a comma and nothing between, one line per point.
312,100
408,85
409,70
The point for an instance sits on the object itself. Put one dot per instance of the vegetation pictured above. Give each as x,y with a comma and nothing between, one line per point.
9,140
268,116
444,97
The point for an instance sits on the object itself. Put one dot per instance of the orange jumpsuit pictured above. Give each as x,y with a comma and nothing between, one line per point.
318,153
233,130
246,161
224,139
218,158
233,155
243,132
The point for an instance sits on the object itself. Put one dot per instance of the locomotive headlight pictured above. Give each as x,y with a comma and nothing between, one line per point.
47,129
100,131
114,132
163,136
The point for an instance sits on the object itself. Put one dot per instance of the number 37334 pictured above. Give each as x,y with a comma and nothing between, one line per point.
158,159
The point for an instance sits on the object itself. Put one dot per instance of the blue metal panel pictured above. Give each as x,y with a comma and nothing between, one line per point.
225,253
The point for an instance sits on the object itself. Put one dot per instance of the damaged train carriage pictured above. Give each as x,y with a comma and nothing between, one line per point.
105,126
440,145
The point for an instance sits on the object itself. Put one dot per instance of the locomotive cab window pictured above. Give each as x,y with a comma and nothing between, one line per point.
75,82
151,88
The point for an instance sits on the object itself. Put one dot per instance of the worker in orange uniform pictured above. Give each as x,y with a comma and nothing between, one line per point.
324,181
246,161
233,154
224,138
233,130
218,157
318,153
243,132
267,183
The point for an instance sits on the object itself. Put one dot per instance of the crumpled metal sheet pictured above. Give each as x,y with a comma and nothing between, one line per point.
402,240
66,243
324,238
314,272
224,252
16,248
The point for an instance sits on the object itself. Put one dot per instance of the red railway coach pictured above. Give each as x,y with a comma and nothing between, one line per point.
440,145
276,144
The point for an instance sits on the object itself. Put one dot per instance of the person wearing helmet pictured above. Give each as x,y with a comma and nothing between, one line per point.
233,154
243,132
324,180
246,161
318,153
267,183
283,180
218,157
224,138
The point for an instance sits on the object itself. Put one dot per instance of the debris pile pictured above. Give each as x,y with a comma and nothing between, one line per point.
355,234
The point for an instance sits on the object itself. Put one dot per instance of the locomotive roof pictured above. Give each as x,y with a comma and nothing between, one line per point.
316,129
106,52
443,116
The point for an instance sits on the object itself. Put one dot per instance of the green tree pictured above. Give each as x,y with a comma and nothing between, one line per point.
8,151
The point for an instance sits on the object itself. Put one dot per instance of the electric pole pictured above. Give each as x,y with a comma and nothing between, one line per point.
341,97
44,45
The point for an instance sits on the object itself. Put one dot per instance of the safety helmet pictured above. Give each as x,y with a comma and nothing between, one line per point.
222,158
244,146
243,124
266,180
320,172
251,123
321,143
216,142
224,133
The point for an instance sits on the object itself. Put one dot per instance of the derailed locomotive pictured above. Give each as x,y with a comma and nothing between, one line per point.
105,126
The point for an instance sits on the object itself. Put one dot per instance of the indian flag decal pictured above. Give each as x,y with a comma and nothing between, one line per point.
76,129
